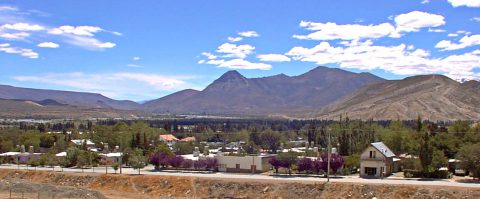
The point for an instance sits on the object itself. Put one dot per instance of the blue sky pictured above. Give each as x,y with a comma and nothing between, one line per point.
142,50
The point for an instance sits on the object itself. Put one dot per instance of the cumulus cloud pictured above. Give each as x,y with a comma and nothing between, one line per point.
235,51
332,31
48,45
477,19
250,33
239,64
25,52
467,3
466,41
76,30
408,22
136,58
113,84
425,2
397,59
415,20
273,58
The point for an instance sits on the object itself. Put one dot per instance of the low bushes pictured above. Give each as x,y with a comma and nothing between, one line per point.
408,173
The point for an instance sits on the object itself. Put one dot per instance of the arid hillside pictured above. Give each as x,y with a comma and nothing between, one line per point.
433,97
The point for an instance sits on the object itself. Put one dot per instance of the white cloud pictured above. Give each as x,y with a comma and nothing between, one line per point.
425,1
234,39
467,3
142,85
235,51
209,55
250,33
466,41
15,36
239,64
76,30
452,35
399,59
29,53
136,58
134,65
436,30
477,19
273,58
332,31
415,20
48,45
22,27
8,8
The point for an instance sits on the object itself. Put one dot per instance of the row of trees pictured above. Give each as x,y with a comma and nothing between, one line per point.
162,160
289,161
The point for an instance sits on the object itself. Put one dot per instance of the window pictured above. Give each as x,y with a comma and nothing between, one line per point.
371,171
237,166
373,154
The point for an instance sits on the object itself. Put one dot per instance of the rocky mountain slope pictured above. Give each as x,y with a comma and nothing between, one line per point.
50,109
92,100
433,97
233,93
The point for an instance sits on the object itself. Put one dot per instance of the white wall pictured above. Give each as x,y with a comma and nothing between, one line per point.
245,161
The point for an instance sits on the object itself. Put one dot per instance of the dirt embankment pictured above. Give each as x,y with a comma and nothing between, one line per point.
132,186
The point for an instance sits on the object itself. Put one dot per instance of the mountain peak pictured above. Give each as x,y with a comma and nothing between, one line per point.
231,75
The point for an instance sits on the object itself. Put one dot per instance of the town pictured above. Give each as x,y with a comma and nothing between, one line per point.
301,148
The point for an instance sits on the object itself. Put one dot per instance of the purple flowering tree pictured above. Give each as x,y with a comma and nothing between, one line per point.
275,163
187,164
336,162
211,164
318,165
305,164
199,164
159,159
175,161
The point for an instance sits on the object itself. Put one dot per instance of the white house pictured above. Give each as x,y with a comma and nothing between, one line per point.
244,164
376,161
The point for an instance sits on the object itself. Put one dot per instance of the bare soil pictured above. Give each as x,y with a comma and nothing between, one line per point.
143,186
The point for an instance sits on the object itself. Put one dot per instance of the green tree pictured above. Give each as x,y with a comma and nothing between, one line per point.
352,161
438,159
271,140
83,159
115,167
469,157
137,160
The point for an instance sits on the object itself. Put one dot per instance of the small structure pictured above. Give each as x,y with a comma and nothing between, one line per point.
244,164
376,161
90,145
169,139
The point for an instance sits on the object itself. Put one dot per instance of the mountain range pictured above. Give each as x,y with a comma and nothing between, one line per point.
319,93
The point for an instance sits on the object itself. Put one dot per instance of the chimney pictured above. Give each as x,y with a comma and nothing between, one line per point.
196,152
206,150
22,149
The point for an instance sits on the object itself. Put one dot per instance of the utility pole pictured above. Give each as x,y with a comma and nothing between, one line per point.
329,148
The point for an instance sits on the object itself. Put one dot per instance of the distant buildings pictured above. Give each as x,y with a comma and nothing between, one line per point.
377,161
